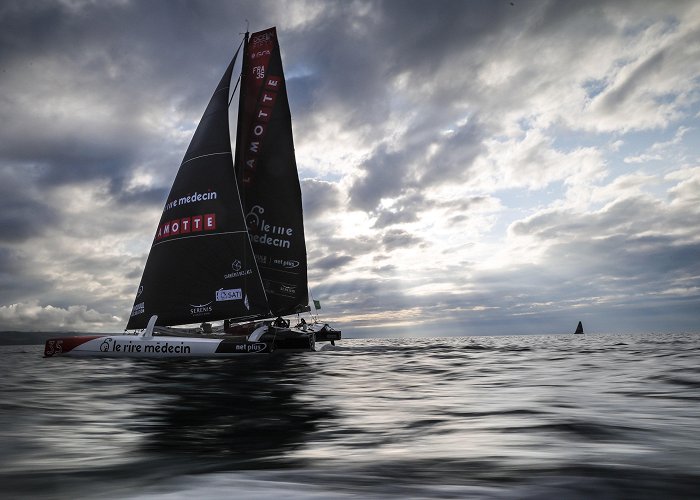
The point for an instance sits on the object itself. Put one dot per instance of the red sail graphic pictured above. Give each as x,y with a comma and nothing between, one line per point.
267,171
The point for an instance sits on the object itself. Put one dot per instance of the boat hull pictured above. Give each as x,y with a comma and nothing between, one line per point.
137,346
326,333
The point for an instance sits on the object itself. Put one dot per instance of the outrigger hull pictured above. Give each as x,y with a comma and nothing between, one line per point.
326,333
137,346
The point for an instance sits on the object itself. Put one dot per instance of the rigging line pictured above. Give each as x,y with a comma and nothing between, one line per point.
280,270
235,56
234,90
242,40
208,154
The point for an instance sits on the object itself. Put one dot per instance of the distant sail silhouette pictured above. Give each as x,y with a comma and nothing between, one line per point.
579,328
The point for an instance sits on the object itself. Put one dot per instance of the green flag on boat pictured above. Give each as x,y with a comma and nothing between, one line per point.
317,304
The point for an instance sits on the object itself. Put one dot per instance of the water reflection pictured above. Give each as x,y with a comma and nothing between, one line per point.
237,412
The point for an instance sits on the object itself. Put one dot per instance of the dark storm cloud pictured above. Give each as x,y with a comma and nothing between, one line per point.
368,45
327,251
644,264
121,43
423,40
319,197
619,295
398,238
393,173
23,212
628,248
363,294
331,262
341,46
621,216
390,218
144,197
20,279
79,97
388,173
11,264
142,58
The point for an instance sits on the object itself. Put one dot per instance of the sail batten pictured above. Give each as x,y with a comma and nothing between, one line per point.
201,236
204,156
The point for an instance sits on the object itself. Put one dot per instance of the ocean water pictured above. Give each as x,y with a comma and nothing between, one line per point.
593,416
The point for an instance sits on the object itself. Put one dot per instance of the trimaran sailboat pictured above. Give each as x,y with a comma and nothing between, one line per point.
230,243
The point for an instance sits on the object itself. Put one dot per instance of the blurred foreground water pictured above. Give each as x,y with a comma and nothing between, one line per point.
606,416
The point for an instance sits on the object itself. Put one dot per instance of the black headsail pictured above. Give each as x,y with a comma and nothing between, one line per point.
201,265
267,173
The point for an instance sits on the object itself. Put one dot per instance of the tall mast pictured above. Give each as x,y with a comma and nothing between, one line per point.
238,158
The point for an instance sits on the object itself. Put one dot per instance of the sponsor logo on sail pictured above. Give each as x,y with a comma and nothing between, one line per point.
139,308
139,292
264,233
190,198
201,309
230,294
288,289
259,72
286,263
252,219
186,226
238,270
264,38
269,87
260,53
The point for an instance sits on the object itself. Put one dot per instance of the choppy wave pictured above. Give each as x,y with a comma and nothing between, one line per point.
476,417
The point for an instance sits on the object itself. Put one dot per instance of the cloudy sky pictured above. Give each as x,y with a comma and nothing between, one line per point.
467,167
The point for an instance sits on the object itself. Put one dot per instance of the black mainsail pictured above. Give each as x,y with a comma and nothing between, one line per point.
267,172
579,328
201,266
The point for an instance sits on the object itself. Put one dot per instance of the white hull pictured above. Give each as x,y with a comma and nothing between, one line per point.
138,346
